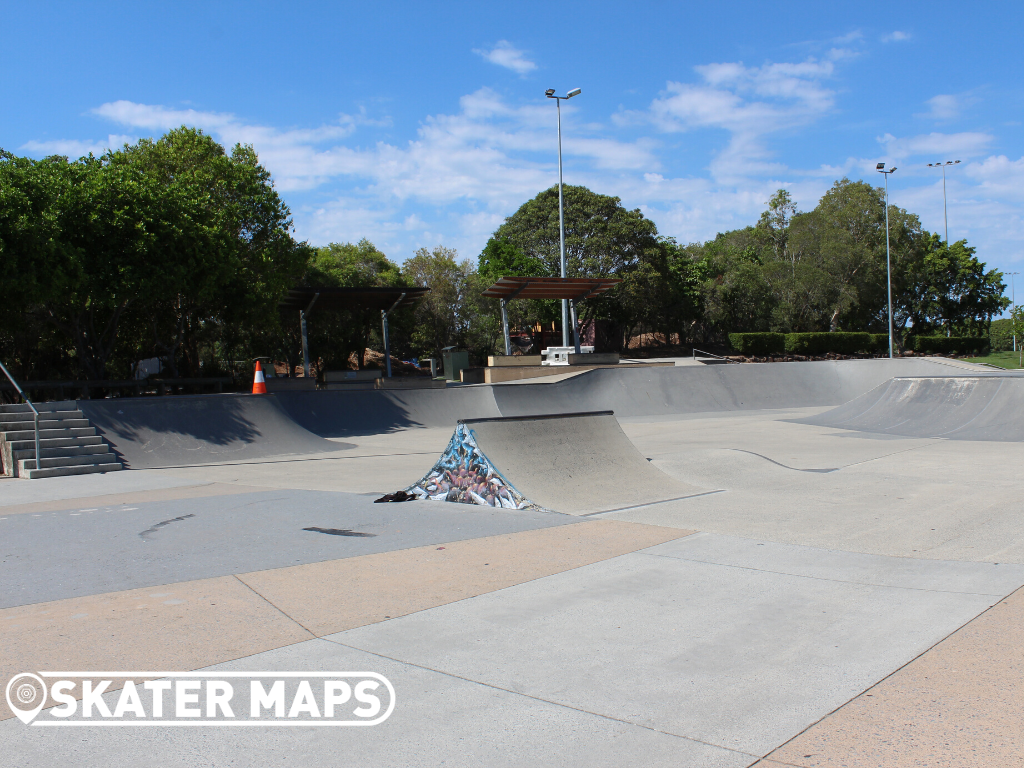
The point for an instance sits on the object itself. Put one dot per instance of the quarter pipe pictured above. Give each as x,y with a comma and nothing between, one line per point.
574,463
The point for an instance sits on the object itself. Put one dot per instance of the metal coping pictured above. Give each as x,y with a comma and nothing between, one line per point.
538,417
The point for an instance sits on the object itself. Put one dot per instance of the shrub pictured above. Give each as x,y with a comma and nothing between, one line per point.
963,345
1000,335
758,343
821,343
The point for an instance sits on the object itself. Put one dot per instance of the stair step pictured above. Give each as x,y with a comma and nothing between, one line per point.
50,433
56,405
55,442
69,450
65,461
86,469
48,423
26,418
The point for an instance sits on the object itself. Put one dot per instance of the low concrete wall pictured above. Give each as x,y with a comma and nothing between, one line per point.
496,361
498,375
594,358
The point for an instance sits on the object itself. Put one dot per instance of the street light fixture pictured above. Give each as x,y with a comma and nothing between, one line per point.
550,93
888,267
943,167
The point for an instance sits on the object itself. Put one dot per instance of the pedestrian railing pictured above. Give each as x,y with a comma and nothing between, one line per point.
35,411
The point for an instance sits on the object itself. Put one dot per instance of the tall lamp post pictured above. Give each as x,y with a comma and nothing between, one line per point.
945,219
888,264
1013,303
550,93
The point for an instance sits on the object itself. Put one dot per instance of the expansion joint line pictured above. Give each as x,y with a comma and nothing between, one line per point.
895,671
276,607
541,699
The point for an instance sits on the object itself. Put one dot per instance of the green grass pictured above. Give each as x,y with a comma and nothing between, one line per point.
1008,360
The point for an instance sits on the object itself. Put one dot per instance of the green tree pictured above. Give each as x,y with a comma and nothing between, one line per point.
960,295
602,239
222,252
444,317
337,335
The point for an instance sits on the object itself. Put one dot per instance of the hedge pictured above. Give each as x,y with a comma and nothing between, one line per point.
758,343
821,343
963,345
880,342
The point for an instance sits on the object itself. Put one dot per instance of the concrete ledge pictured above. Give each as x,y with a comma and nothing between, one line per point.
497,361
412,382
514,373
594,358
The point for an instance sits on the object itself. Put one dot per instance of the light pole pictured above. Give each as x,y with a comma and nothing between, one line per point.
1013,303
888,265
945,219
550,93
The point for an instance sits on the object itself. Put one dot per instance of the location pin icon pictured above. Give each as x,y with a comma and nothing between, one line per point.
24,691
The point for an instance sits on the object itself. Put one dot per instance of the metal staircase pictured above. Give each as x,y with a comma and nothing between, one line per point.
68,444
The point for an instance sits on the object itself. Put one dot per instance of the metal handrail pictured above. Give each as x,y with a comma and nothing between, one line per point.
35,414
694,351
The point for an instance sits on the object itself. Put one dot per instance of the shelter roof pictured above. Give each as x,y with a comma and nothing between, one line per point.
351,298
550,287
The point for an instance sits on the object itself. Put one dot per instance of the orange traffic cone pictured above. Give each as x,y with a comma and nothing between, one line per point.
259,384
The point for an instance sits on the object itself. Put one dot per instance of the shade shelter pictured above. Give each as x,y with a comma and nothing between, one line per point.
572,288
387,300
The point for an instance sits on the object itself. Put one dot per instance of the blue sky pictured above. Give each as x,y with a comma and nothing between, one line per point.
418,124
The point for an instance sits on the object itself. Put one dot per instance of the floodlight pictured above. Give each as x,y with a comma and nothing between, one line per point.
893,169
880,166
574,92
550,92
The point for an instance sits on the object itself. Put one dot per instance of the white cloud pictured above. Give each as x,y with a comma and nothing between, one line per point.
749,103
75,149
942,107
504,54
968,144
895,37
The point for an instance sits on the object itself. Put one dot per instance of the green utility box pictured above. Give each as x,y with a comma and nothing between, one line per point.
454,361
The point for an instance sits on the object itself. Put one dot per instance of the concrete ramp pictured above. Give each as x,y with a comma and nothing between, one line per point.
988,408
186,430
574,463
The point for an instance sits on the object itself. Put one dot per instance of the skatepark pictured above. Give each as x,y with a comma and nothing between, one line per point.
786,564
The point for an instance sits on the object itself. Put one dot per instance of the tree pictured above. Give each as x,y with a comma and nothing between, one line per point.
222,252
602,239
960,295
337,335
444,316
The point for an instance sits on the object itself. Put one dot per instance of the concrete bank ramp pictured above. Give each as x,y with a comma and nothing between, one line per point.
576,463
986,407
641,392
185,430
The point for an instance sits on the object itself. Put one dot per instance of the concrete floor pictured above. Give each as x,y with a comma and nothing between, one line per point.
835,599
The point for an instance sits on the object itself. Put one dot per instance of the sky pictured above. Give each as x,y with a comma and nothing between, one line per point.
423,124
